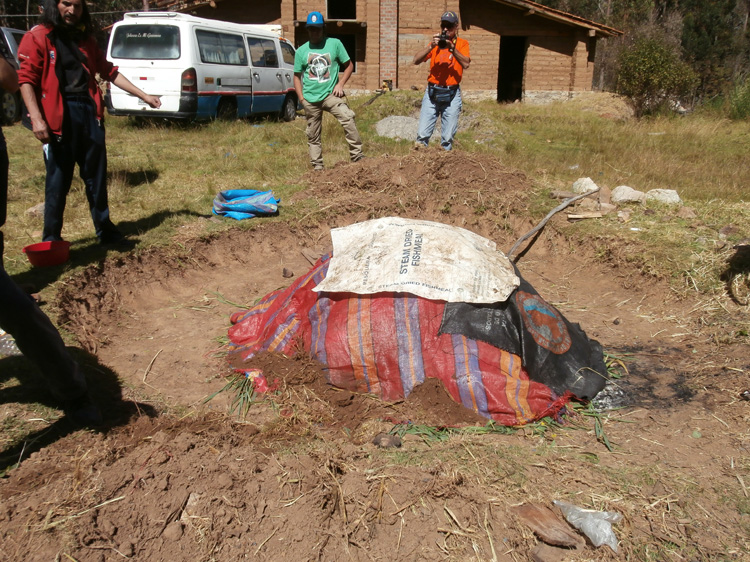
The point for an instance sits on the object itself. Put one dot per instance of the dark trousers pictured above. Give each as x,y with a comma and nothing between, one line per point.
82,142
35,335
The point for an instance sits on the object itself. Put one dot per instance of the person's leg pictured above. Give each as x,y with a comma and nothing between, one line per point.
92,162
339,108
427,119
33,332
314,114
449,121
40,342
60,162
38,339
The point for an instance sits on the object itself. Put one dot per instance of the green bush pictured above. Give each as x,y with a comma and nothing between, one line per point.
739,100
651,74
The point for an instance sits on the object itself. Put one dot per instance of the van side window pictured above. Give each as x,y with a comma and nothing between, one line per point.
263,52
287,52
149,42
221,48
17,36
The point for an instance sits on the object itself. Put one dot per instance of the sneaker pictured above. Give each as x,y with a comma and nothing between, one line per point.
318,168
82,411
359,157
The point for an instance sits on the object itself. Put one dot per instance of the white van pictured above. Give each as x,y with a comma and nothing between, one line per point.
201,68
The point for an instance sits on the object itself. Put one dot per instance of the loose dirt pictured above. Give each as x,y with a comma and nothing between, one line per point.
301,479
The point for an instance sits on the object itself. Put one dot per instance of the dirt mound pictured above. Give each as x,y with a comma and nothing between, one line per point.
356,414
301,479
457,188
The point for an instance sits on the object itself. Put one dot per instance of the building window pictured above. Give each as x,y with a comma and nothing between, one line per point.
342,9
592,50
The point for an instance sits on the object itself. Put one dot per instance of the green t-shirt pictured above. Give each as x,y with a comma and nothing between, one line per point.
320,67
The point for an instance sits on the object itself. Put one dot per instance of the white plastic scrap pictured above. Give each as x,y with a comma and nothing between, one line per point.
596,525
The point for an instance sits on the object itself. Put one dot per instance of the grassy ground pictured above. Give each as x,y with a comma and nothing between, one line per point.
163,177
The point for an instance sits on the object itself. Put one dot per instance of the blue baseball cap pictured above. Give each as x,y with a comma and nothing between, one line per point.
450,17
315,19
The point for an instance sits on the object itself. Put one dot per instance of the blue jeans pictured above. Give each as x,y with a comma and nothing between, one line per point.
82,142
448,114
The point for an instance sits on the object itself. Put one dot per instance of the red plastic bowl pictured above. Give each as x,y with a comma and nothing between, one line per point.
43,254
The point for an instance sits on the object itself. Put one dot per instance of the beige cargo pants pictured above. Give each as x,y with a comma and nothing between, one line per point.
339,108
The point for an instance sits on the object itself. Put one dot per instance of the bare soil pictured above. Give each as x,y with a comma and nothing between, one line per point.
171,477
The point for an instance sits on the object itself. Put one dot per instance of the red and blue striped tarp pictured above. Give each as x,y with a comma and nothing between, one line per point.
386,344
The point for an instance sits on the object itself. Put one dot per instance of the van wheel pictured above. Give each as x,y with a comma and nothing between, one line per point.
227,110
10,108
289,109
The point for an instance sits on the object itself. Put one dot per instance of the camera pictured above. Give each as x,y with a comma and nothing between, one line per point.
443,40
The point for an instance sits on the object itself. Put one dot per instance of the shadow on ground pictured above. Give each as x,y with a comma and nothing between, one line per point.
104,387
88,250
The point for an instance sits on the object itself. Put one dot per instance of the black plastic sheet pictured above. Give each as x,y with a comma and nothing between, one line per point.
554,351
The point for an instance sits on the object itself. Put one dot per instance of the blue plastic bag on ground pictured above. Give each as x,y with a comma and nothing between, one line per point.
245,203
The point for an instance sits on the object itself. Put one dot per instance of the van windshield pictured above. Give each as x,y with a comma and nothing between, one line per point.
153,42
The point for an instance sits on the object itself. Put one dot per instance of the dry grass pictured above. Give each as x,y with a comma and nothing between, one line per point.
163,177
693,255
700,157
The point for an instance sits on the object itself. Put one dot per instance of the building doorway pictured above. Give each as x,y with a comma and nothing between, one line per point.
510,69
350,44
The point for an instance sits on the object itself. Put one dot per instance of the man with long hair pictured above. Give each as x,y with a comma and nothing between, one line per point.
59,61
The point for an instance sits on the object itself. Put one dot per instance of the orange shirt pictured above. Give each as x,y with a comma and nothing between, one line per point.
444,68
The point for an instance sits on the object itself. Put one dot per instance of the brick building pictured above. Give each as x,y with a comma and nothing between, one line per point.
519,49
